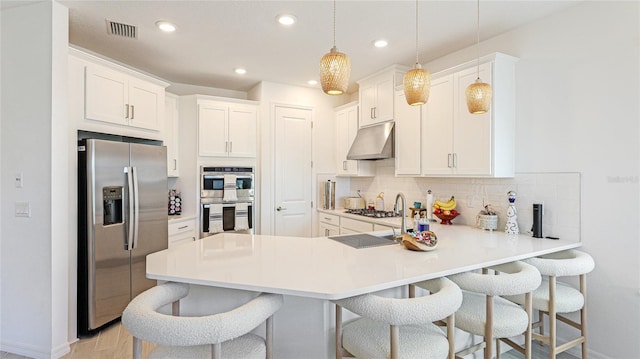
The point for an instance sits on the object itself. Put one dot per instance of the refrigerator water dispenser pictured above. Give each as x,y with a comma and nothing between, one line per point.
112,205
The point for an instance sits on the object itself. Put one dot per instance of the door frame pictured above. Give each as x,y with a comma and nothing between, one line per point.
268,192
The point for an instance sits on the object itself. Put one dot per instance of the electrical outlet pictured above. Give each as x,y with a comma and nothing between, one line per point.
23,209
473,201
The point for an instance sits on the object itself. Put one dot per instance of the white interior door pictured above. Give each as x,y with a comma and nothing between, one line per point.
292,172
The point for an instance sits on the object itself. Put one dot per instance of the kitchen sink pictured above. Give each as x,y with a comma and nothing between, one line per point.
363,240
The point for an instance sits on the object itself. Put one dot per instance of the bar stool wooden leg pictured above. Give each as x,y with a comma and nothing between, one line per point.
488,329
583,315
528,304
552,317
541,326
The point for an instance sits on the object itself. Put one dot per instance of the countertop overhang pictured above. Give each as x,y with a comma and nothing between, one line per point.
322,268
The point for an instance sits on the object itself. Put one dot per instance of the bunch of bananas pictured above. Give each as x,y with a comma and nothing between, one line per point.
445,206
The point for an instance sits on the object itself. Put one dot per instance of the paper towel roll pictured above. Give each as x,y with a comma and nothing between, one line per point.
430,205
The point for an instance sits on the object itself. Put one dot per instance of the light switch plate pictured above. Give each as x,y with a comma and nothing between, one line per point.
18,180
23,209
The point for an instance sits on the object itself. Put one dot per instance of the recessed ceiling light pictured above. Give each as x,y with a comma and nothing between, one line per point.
380,43
286,19
312,82
240,71
166,26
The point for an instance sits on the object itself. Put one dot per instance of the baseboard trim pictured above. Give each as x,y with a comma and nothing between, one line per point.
33,351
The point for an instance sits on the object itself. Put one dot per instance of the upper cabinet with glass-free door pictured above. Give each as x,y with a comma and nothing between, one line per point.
106,97
346,117
227,129
112,96
377,95
457,143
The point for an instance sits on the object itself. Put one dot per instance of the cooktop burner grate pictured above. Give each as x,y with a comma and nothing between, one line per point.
372,213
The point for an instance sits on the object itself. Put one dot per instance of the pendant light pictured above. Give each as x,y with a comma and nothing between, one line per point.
417,82
478,93
335,67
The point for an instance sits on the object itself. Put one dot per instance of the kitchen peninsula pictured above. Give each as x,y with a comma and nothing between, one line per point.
311,271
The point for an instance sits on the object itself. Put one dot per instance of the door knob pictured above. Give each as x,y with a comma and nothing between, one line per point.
280,209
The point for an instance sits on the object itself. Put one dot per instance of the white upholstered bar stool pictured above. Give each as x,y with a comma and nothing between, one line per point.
485,313
398,327
554,297
222,335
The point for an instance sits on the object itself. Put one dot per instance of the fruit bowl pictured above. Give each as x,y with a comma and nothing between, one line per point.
446,218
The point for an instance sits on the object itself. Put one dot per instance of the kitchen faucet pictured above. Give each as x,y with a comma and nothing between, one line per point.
403,228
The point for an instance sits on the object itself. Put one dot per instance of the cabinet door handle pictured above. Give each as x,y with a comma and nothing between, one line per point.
183,227
449,160
230,146
371,113
226,146
175,164
133,113
280,209
455,160
326,232
126,111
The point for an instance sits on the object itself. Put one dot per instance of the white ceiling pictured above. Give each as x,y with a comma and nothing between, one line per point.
214,37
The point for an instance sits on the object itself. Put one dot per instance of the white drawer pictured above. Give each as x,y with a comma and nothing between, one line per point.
181,226
379,227
355,225
329,219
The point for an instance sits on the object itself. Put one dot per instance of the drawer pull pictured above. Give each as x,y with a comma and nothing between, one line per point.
183,227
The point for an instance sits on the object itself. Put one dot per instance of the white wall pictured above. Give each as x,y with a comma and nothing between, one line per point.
34,118
577,111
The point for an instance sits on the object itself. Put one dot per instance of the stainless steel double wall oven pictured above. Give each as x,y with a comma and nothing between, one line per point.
227,198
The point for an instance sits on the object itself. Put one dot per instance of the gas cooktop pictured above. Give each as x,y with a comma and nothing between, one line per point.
372,213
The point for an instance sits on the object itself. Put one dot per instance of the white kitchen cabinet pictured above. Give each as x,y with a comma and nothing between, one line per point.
348,225
457,143
171,134
408,142
328,224
377,95
346,118
227,129
115,97
379,227
182,231
437,128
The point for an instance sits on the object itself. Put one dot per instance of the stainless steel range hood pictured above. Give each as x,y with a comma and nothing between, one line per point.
373,143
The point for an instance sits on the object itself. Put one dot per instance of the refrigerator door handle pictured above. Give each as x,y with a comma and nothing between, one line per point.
129,239
136,207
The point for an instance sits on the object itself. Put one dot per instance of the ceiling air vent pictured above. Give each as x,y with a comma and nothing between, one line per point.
120,29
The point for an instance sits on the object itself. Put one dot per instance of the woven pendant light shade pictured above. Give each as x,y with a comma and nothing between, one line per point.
479,97
417,83
335,69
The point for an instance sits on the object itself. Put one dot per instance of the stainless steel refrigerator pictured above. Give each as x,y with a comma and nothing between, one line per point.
122,217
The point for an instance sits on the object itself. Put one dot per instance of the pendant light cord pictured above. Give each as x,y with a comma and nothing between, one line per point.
416,31
478,40
334,23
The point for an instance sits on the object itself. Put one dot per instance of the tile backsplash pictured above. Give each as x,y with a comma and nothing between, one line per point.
558,192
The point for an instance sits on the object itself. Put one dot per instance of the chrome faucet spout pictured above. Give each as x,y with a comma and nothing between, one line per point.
403,228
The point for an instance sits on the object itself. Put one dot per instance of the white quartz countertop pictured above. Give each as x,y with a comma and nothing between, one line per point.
395,222
323,268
